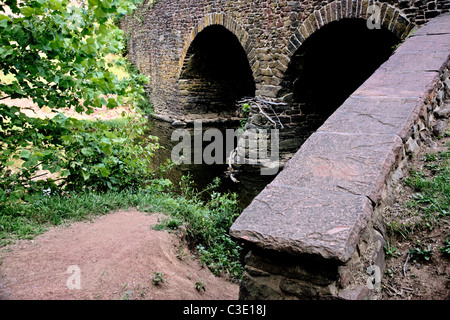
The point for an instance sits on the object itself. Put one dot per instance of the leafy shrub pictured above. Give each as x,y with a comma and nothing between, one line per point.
83,154
208,223
421,252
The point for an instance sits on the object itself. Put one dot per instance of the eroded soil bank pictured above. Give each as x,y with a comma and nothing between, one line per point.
116,256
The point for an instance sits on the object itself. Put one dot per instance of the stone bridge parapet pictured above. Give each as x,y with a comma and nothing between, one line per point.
315,231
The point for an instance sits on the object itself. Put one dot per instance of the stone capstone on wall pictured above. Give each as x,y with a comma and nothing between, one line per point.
316,231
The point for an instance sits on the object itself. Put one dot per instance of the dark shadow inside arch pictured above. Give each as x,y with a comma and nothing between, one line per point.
216,73
329,66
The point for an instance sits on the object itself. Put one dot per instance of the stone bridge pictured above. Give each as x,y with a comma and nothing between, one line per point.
317,230
355,110
204,55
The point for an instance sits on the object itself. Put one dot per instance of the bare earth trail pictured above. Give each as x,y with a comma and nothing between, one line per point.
116,256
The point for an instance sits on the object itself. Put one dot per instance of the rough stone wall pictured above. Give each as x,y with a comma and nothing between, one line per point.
270,31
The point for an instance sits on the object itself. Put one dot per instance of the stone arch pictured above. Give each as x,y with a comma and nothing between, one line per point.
391,18
317,72
221,19
215,63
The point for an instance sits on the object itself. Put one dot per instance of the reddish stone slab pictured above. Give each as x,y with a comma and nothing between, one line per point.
422,61
357,164
437,26
425,43
304,221
434,30
399,85
374,115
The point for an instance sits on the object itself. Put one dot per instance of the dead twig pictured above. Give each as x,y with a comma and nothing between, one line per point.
230,166
406,262
408,289
264,104
265,114
392,289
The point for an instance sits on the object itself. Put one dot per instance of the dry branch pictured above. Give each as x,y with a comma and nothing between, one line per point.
262,106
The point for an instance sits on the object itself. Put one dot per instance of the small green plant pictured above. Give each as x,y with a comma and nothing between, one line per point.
430,157
181,254
200,285
168,224
158,278
128,294
421,252
389,272
446,248
173,224
391,251
245,111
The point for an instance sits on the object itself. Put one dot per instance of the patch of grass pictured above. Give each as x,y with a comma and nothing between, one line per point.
26,220
404,229
168,224
431,197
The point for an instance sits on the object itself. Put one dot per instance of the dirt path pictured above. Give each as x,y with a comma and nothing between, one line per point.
112,257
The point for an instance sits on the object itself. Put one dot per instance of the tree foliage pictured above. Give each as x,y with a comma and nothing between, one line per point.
56,53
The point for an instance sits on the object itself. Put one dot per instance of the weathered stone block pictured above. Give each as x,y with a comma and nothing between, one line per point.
400,26
257,288
374,115
418,43
422,61
303,268
399,85
267,90
394,21
339,14
388,17
344,8
356,164
318,17
305,290
358,293
304,221
434,29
